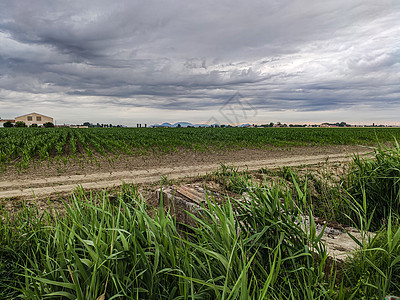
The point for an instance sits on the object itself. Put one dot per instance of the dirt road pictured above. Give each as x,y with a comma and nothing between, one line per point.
28,188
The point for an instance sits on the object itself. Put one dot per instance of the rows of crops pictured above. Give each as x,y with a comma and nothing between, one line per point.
21,146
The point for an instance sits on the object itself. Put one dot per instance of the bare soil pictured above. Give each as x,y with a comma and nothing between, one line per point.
44,180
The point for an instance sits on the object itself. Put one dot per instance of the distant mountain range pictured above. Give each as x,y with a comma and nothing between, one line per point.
183,124
187,124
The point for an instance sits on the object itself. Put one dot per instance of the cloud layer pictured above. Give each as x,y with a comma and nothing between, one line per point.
171,60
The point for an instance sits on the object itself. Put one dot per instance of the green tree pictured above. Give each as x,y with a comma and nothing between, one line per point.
20,124
48,125
8,124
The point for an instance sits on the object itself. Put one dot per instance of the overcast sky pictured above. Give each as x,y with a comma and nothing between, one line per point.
128,62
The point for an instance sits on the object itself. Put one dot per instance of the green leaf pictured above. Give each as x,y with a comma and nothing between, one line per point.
61,294
56,283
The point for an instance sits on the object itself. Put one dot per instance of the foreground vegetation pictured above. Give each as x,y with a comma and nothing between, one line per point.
107,247
23,146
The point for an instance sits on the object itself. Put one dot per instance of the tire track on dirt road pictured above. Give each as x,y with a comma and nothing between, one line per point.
45,187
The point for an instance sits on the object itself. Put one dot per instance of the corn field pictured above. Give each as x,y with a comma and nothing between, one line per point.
23,146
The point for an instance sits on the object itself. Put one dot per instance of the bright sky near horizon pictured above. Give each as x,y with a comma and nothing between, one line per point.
129,62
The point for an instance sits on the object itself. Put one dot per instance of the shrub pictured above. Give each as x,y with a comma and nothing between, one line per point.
48,125
8,124
20,124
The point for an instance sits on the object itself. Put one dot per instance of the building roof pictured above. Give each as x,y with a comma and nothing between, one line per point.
34,113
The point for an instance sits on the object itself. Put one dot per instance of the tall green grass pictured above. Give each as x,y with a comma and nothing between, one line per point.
378,180
240,250
374,271
369,204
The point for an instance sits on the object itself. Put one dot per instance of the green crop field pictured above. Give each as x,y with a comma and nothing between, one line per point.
119,244
21,146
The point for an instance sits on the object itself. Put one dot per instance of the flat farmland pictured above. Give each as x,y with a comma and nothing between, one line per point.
271,213
41,161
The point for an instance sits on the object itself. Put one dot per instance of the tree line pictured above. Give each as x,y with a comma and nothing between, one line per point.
23,124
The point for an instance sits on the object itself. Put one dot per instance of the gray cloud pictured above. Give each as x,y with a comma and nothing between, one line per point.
174,56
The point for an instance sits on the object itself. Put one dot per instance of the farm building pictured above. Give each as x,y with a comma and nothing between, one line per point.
34,118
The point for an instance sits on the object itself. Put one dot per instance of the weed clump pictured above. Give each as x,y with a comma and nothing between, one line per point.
378,180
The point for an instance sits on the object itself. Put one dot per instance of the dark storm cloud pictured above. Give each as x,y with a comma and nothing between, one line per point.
282,55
